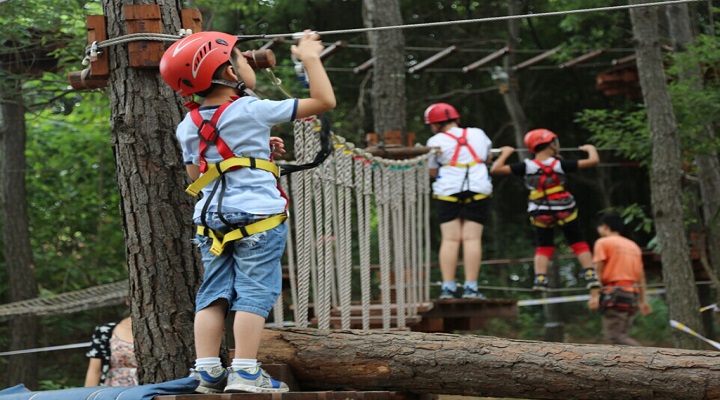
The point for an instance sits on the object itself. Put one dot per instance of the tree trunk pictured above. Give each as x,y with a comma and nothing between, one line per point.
486,366
388,48
509,88
16,232
164,266
708,163
665,176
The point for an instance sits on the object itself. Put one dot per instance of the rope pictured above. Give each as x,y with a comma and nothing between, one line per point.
396,199
425,200
363,188
65,303
166,37
302,225
290,255
344,166
411,217
383,244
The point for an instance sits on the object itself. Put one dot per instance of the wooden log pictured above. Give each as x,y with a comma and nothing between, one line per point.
487,366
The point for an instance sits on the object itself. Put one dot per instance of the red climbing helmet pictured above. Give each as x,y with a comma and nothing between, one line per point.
440,112
537,137
189,64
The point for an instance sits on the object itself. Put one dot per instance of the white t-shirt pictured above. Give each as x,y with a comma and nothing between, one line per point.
245,128
451,180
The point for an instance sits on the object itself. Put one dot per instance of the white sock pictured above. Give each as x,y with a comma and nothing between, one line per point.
449,285
244,363
208,363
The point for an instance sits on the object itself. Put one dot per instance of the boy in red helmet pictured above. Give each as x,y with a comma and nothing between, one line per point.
461,190
227,152
550,204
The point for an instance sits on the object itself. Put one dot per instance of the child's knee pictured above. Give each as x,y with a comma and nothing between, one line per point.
547,251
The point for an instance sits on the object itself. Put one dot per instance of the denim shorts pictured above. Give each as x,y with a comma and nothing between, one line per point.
248,273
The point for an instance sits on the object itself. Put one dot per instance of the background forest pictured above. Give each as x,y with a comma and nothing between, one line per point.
73,202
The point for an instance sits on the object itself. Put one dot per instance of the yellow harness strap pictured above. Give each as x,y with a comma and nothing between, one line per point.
215,170
468,165
538,194
559,222
219,240
454,199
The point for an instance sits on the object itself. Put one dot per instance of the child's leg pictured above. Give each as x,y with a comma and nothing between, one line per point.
209,327
258,282
247,329
580,247
472,249
544,250
451,232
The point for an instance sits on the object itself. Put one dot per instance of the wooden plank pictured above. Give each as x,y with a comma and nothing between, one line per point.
97,32
315,395
191,19
144,18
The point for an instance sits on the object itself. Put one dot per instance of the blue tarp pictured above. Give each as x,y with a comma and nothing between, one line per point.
142,392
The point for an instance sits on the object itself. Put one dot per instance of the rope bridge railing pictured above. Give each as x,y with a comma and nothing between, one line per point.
337,210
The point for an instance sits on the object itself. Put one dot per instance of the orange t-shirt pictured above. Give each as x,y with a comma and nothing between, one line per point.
623,260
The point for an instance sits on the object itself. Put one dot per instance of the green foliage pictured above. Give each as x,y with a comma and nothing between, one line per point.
697,87
623,130
73,199
653,328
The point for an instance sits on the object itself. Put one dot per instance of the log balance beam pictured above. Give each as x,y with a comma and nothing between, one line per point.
426,363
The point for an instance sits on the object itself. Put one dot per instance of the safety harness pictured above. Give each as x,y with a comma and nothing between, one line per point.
619,299
546,192
462,142
210,135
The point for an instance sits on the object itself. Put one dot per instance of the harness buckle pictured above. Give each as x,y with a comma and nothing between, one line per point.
212,135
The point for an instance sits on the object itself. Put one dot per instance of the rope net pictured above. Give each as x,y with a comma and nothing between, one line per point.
358,245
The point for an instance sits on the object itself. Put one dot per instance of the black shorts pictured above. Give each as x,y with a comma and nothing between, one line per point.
476,211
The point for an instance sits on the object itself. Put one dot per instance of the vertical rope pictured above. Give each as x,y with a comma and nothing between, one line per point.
426,239
380,178
410,200
398,237
325,243
320,241
344,243
303,261
290,247
363,190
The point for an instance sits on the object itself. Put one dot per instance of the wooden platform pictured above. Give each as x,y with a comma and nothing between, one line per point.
283,373
324,395
464,314
437,316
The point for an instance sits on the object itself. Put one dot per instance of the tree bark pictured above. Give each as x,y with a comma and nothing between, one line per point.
486,366
16,232
388,48
708,163
665,177
164,266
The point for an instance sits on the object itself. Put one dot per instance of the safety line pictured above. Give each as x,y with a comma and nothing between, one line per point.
687,329
494,19
42,349
166,37
569,299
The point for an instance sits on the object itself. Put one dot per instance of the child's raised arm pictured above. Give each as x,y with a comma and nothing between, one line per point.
593,156
500,166
322,96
